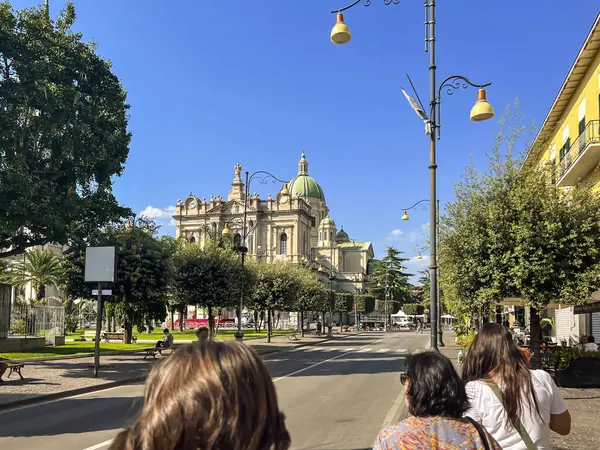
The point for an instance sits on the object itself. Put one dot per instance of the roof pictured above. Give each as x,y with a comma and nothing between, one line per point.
327,221
303,185
582,63
355,245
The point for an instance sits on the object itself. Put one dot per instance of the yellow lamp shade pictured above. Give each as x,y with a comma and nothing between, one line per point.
340,33
285,190
482,110
419,256
405,215
226,231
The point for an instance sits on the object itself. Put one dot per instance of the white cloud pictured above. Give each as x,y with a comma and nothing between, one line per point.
394,235
153,212
172,222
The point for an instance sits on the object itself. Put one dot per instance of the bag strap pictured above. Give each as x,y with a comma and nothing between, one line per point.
482,436
520,428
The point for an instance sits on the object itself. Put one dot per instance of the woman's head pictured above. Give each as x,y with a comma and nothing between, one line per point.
495,355
433,388
215,396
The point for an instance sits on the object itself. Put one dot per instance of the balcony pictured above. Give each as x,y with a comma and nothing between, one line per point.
582,156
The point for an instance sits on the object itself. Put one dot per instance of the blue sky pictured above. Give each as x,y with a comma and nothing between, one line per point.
214,82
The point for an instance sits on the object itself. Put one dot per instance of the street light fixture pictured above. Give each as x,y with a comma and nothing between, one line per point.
481,111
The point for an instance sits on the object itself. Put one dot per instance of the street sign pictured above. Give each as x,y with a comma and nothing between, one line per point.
587,309
104,291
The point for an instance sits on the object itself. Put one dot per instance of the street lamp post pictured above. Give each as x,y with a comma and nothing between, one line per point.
482,110
263,176
438,325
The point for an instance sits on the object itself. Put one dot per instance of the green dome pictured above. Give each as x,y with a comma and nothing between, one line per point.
342,236
304,185
327,221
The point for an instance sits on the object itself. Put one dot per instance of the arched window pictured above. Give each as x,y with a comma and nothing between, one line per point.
192,240
237,240
283,244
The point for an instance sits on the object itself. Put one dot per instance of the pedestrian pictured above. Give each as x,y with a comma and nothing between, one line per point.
319,327
217,396
518,406
591,345
167,341
202,334
437,401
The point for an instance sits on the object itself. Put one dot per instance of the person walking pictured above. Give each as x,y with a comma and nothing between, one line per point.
437,400
216,396
518,406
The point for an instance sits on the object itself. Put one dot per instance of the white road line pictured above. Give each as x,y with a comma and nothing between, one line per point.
383,350
350,349
402,350
100,445
365,350
318,364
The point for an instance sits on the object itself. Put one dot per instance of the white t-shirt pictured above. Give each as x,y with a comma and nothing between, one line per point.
488,410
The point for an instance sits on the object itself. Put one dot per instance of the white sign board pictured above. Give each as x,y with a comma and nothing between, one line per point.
104,291
100,264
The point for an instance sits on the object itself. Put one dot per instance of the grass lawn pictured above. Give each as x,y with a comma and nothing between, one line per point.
223,334
72,348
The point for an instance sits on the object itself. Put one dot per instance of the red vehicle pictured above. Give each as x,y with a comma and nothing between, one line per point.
192,324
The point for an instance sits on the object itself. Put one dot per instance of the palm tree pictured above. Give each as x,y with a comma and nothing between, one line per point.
39,267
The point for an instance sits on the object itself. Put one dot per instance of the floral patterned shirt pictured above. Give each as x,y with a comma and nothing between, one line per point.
436,433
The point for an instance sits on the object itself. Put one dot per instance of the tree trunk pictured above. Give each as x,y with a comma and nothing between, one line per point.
181,317
128,331
302,323
269,325
341,326
211,323
256,323
535,331
172,319
41,293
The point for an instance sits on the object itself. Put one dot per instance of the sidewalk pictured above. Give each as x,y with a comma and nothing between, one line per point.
583,405
57,378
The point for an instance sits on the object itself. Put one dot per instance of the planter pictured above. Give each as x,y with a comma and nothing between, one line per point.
583,372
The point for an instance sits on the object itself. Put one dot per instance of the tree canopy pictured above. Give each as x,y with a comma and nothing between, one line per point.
63,117
389,275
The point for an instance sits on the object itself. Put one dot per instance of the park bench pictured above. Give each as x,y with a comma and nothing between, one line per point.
15,368
107,336
153,351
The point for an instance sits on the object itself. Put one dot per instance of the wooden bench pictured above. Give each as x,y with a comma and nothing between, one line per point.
15,368
153,351
108,335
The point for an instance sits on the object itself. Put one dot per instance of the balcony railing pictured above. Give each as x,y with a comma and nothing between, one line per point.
590,135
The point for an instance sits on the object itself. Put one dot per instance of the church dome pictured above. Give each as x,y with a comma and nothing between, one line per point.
327,222
342,236
303,185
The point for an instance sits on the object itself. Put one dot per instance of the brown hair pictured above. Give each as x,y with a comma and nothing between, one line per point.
208,396
494,353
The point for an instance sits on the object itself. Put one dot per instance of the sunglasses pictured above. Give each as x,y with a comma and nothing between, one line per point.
404,378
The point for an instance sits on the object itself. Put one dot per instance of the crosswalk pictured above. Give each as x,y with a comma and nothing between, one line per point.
380,351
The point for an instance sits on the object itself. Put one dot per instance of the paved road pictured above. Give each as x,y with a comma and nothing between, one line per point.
335,395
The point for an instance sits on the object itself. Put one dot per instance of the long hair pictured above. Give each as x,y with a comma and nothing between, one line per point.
434,387
208,396
494,353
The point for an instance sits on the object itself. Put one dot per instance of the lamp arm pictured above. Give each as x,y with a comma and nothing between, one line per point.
416,204
450,84
366,3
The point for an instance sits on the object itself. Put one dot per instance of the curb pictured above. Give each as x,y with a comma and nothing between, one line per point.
100,387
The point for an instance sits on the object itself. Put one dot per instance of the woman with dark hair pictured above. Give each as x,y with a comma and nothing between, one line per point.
208,396
518,406
437,401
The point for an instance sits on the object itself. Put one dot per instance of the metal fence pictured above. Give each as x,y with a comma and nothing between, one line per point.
36,321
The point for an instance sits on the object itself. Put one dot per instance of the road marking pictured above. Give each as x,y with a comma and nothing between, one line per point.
350,349
318,364
100,445
383,350
402,350
365,350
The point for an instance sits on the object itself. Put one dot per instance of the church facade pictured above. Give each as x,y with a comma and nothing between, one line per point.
293,226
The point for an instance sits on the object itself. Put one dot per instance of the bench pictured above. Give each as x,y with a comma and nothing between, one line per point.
153,351
107,336
15,368
290,337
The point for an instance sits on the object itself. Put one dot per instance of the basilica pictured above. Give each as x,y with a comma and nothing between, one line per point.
293,226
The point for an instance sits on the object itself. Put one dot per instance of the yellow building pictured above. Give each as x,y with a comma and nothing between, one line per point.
569,140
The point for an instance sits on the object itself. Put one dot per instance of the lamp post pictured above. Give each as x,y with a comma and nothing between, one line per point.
438,325
262,176
482,110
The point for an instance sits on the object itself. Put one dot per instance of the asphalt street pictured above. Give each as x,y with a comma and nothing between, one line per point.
335,395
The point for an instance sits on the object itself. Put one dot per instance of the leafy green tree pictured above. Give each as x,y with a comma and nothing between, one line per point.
64,131
311,294
389,276
41,268
208,277
143,272
275,288
413,309
365,303
513,233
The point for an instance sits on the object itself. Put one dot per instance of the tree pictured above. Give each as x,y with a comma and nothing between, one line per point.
311,294
365,303
389,276
275,288
64,131
39,267
413,309
512,233
143,272
208,277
